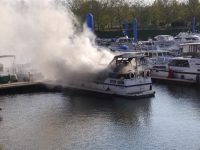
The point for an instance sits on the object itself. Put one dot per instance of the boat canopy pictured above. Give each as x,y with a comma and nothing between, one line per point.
130,55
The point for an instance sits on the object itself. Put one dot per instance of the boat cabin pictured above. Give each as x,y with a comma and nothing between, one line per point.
179,62
191,38
124,40
156,53
123,65
190,47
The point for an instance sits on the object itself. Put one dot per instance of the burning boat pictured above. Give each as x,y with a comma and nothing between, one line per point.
127,75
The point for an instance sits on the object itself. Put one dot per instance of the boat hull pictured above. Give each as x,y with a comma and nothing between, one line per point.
179,77
131,88
4,78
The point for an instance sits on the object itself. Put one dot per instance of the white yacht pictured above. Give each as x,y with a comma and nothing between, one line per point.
185,67
157,57
164,41
182,68
127,75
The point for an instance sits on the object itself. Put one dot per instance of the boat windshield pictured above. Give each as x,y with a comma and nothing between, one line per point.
125,64
179,63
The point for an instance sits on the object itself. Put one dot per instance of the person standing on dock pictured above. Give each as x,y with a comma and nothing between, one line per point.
170,74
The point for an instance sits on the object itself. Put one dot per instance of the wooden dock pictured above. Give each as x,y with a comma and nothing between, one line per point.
18,87
45,85
173,80
76,88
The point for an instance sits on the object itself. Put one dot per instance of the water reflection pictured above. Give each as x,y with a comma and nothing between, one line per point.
63,121
117,110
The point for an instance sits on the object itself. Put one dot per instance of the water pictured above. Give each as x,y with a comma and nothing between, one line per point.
60,121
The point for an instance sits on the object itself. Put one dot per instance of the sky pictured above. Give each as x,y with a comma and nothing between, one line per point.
48,36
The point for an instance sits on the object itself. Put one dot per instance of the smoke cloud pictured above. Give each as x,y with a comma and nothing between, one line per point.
50,36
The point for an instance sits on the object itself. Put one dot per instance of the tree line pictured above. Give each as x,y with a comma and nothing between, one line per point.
109,14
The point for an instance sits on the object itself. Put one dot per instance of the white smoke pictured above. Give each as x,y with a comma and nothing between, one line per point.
50,36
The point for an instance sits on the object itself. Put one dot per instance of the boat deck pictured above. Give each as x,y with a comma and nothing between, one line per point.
19,87
18,84
173,80
65,86
22,86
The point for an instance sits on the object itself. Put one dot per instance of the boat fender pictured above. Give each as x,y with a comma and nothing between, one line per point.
197,78
148,73
150,87
131,75
145,73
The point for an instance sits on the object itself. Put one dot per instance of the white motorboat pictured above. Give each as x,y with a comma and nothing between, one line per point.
157,56
164,41
187,37
181,67
126,75
184,67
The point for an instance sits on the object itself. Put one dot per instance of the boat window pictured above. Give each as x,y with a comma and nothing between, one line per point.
113,81
1,67
154,55
164,53
129,40
125,40
120,82
146,54
159,54
133,62
148,44
150,55
179,63
121,41
113,64
193,39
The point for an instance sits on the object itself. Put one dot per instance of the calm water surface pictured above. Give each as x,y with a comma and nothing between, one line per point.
60,121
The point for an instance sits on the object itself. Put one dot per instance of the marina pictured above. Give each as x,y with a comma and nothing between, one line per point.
62,87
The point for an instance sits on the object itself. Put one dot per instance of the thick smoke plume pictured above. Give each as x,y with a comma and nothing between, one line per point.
50,36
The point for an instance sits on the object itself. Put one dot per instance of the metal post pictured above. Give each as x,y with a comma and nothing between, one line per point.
89,21
135,30
193,25
126,28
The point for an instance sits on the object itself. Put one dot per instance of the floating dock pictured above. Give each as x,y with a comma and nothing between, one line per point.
45,85
91,91
52,86
173,80
73,89
21,87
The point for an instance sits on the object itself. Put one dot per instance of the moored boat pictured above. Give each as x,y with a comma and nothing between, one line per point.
127,75
179,69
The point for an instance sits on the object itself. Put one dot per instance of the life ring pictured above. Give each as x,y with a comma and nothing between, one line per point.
148,73
197,78
131,75
145,74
